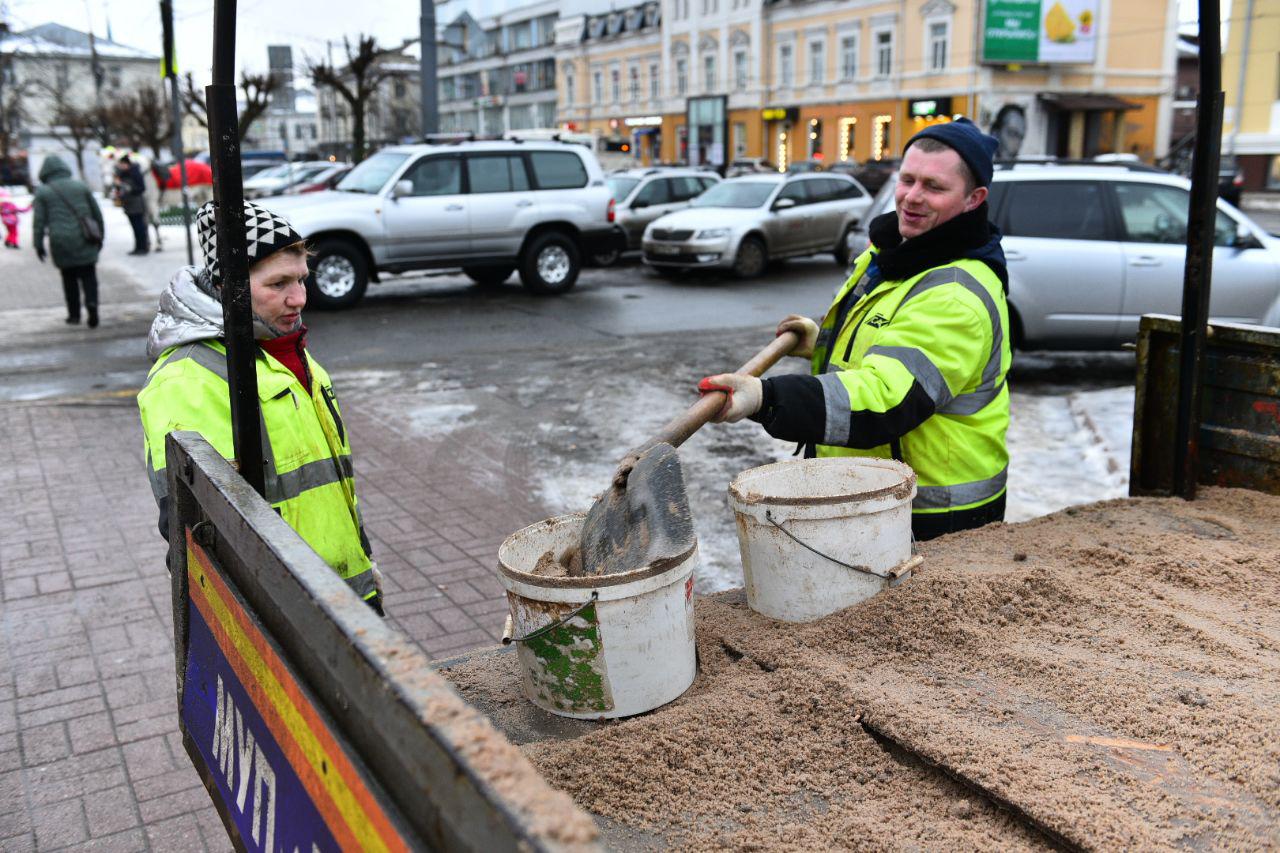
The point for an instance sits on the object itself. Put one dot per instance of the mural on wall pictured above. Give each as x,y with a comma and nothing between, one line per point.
1010,129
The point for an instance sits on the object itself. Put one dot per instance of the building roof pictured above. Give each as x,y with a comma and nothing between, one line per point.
59,40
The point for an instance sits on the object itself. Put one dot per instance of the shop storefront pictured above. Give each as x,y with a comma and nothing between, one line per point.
646,138
708,132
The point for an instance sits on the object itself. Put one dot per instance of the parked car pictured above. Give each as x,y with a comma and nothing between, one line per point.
845,167
278,178
749,166
873,173
742,223
1090,249
252,168
326,179
799,167
489,207
642,195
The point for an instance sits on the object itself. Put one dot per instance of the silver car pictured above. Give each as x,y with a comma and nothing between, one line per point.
642,195
278,179
490,207
742,223
1090,249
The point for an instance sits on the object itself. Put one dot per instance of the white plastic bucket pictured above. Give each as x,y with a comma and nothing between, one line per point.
606,646
799,520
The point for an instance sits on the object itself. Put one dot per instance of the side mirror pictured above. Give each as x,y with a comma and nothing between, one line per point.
402,188
784,204
639,204
1244,237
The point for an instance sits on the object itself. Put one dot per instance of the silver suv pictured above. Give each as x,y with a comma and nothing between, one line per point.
742,223
488,207
642,195
1091,249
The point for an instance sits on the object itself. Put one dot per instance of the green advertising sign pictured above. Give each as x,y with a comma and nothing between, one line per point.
1040,31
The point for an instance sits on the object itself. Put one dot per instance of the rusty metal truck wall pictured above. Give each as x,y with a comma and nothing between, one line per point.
313,724
1239,436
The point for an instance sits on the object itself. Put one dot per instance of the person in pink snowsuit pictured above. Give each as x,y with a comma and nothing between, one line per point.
9,216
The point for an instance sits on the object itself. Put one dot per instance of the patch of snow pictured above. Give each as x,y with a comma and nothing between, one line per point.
439,416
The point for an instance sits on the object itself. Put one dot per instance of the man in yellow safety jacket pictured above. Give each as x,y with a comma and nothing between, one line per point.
910,360
307,449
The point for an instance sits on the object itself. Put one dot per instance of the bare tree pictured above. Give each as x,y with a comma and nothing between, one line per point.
141,119
258,89
75,127
356,82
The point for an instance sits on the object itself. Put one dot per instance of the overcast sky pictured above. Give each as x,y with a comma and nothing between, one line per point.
307,25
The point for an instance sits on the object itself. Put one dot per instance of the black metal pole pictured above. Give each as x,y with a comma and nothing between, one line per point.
228,196
1199,265
175,96
427,69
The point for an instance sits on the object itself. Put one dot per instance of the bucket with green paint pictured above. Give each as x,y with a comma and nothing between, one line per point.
598,647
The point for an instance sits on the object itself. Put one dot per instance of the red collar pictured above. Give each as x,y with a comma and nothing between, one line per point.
288,350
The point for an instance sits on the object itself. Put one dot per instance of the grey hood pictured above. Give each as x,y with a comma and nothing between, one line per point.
191,310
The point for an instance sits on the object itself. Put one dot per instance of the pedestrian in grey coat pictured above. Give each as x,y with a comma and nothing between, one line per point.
62,206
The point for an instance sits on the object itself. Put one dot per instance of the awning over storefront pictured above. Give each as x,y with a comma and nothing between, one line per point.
1087,102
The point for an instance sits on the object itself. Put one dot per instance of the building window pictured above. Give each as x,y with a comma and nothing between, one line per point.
740,70
615,84
113,76
817,63
847,128
633,82
884,53
568,87
709,72
739,139
654,81
849,57
880,127
682,76
597,86
936,49
786,66
815,139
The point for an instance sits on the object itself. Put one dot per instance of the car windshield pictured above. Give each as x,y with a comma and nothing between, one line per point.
276,171
621,187
736,194
371,175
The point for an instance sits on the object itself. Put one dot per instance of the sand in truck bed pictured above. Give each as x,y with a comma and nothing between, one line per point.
1106,676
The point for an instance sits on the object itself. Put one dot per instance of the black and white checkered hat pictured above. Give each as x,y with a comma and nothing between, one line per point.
264,233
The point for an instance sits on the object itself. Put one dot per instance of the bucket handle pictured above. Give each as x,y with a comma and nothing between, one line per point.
896,573
507,639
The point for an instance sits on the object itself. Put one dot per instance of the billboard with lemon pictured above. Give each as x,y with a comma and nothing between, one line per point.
1040,31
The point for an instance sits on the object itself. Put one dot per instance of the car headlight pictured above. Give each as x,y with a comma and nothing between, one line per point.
712,233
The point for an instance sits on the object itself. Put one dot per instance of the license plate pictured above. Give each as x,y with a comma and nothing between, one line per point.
666,250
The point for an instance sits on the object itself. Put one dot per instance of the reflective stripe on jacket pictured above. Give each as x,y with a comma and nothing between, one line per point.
917,372
309,478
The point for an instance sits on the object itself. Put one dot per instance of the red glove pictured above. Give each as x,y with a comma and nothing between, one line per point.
744,395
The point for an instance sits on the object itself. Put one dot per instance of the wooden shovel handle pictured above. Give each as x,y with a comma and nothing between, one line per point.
679,428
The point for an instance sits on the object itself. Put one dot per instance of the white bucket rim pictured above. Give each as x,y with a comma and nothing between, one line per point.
591,581
903,490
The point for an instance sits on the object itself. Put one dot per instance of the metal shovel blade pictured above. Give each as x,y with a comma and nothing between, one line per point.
642,523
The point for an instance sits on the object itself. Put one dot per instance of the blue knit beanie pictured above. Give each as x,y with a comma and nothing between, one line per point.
975,148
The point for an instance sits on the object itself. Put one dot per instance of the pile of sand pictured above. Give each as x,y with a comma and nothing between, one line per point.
1109,675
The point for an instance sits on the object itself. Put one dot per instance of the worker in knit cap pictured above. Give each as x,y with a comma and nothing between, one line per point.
909,362
307,450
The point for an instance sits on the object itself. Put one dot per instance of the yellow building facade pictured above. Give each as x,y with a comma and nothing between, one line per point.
851,80
1251,89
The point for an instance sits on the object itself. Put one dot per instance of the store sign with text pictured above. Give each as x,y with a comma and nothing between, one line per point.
1040,31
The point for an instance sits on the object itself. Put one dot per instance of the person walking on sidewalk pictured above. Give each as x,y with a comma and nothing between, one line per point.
910,360
132,191
309,478
66,209
9,215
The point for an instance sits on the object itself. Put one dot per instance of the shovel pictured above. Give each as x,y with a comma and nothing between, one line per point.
643,518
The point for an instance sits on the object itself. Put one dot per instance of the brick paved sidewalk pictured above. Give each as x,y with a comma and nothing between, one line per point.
90,757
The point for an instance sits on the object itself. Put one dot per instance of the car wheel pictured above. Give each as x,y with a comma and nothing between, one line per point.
842,248
339,275
606,259
488,276
751,258
550,264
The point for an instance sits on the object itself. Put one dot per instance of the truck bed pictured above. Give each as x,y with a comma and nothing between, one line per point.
1107,676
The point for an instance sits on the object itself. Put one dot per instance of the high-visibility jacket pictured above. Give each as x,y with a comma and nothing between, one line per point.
932,346
307,450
